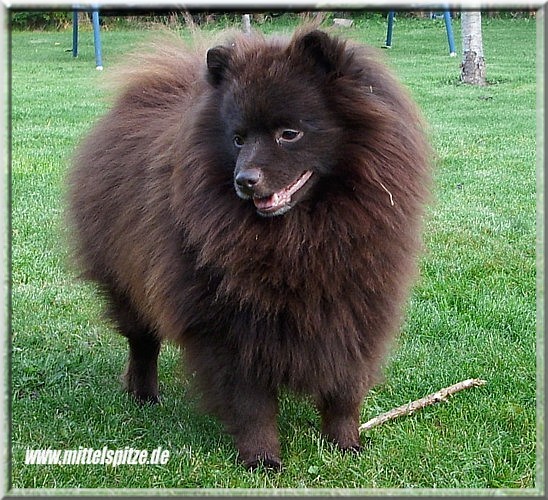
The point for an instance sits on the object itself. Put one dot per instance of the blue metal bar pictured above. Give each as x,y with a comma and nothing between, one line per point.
388,43
74,33
449,29
97,39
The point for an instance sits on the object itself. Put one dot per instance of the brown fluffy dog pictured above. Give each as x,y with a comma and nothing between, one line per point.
261,207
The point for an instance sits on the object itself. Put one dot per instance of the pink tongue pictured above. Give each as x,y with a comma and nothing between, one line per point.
270,202
282,197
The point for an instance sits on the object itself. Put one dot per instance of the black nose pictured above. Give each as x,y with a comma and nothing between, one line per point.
248,178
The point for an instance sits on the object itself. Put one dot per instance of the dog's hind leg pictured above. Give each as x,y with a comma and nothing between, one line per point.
140,377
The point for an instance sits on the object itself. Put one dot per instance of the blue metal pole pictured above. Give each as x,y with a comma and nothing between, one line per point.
74,33
388,43
449,29
97,39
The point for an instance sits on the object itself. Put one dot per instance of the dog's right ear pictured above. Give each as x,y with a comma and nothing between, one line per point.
218,61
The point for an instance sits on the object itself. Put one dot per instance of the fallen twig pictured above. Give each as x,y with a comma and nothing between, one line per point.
409,408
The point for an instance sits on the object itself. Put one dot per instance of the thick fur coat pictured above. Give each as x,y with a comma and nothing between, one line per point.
261,206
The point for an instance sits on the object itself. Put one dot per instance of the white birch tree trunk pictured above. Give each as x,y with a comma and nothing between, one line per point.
473,62
246,21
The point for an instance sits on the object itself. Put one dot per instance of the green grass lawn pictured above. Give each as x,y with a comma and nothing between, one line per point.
472,313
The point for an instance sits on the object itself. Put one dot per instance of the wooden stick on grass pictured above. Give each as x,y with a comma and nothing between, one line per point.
413,406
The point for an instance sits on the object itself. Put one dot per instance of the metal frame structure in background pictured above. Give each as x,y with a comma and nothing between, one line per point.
99,57
96,36
448,29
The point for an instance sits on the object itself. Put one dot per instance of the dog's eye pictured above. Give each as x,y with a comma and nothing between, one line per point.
238,141
289,135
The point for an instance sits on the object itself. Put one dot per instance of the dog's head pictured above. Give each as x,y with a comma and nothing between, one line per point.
279,132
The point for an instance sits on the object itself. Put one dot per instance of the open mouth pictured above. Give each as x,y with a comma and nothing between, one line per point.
280,201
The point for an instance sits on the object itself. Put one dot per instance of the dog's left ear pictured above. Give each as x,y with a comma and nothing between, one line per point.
218,61
319,50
